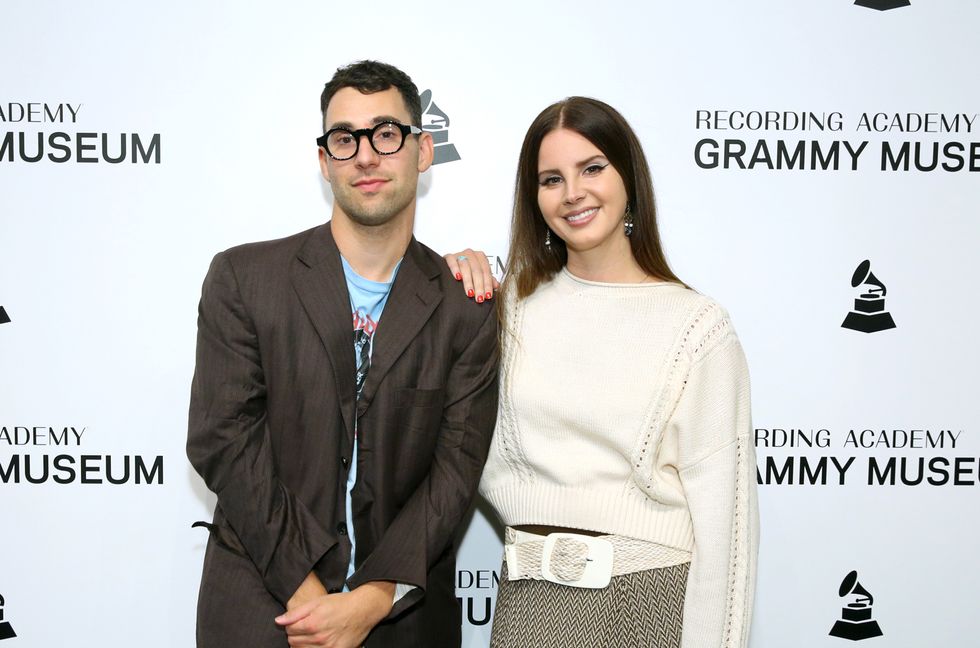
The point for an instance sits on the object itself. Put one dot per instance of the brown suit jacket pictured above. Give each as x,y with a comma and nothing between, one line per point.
272,427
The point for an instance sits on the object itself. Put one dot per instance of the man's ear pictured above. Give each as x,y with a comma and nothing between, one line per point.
426,151
324,169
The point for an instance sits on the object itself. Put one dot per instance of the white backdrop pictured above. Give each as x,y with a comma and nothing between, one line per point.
101,266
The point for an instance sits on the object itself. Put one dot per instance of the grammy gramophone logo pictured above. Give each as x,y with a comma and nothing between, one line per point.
6,630
855,621
869,314
4,318
436,123
883,5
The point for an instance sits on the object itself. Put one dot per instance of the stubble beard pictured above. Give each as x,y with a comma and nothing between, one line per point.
373,213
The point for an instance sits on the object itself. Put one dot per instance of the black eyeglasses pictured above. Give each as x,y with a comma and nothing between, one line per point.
386,138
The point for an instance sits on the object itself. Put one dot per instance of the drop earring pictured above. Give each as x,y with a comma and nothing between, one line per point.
628,222
547,239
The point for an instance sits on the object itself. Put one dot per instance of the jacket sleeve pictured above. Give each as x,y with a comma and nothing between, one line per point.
717,470
228,443
406,552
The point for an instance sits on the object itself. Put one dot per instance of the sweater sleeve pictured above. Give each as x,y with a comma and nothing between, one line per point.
716,465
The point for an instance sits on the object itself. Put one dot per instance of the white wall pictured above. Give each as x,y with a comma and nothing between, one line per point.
101,265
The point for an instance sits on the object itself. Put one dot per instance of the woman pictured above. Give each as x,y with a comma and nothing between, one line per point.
623,423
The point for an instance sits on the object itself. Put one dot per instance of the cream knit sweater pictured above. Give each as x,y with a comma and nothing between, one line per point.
624,409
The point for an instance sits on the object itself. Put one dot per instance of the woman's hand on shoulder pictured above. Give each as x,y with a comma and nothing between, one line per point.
472,269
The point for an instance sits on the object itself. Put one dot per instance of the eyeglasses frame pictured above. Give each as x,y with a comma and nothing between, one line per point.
406,130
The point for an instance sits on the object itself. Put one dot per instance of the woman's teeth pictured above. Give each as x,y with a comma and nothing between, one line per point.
578,217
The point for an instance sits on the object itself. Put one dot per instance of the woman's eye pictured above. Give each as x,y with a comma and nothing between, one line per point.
593,169
550,180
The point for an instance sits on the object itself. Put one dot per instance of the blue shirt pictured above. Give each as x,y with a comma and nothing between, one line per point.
368,299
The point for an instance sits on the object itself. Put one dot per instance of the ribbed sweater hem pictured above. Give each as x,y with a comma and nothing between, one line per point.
630,514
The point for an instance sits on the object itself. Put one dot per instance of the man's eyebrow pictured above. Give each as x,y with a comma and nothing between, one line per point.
386,118
580,165
377,120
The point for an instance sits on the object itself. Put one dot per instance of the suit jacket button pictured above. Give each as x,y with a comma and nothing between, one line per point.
342,528
344,462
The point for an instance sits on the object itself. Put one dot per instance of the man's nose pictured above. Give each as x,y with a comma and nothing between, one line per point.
366,155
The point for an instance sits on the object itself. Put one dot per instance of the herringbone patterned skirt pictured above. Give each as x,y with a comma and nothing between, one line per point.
639,610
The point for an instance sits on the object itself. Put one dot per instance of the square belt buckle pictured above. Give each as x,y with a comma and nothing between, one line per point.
598,565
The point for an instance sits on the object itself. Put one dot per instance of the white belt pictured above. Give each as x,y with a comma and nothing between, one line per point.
580,560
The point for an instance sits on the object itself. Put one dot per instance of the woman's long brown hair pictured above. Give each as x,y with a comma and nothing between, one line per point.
530,261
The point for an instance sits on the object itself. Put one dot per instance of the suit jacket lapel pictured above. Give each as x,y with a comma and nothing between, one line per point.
320,284
414,296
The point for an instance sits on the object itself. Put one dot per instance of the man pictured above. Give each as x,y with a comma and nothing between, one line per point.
343,464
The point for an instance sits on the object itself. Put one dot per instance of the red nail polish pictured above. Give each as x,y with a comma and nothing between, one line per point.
479,299
469,293
459,277
489,295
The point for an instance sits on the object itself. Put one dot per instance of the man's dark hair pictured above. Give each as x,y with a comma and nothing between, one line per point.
370,77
